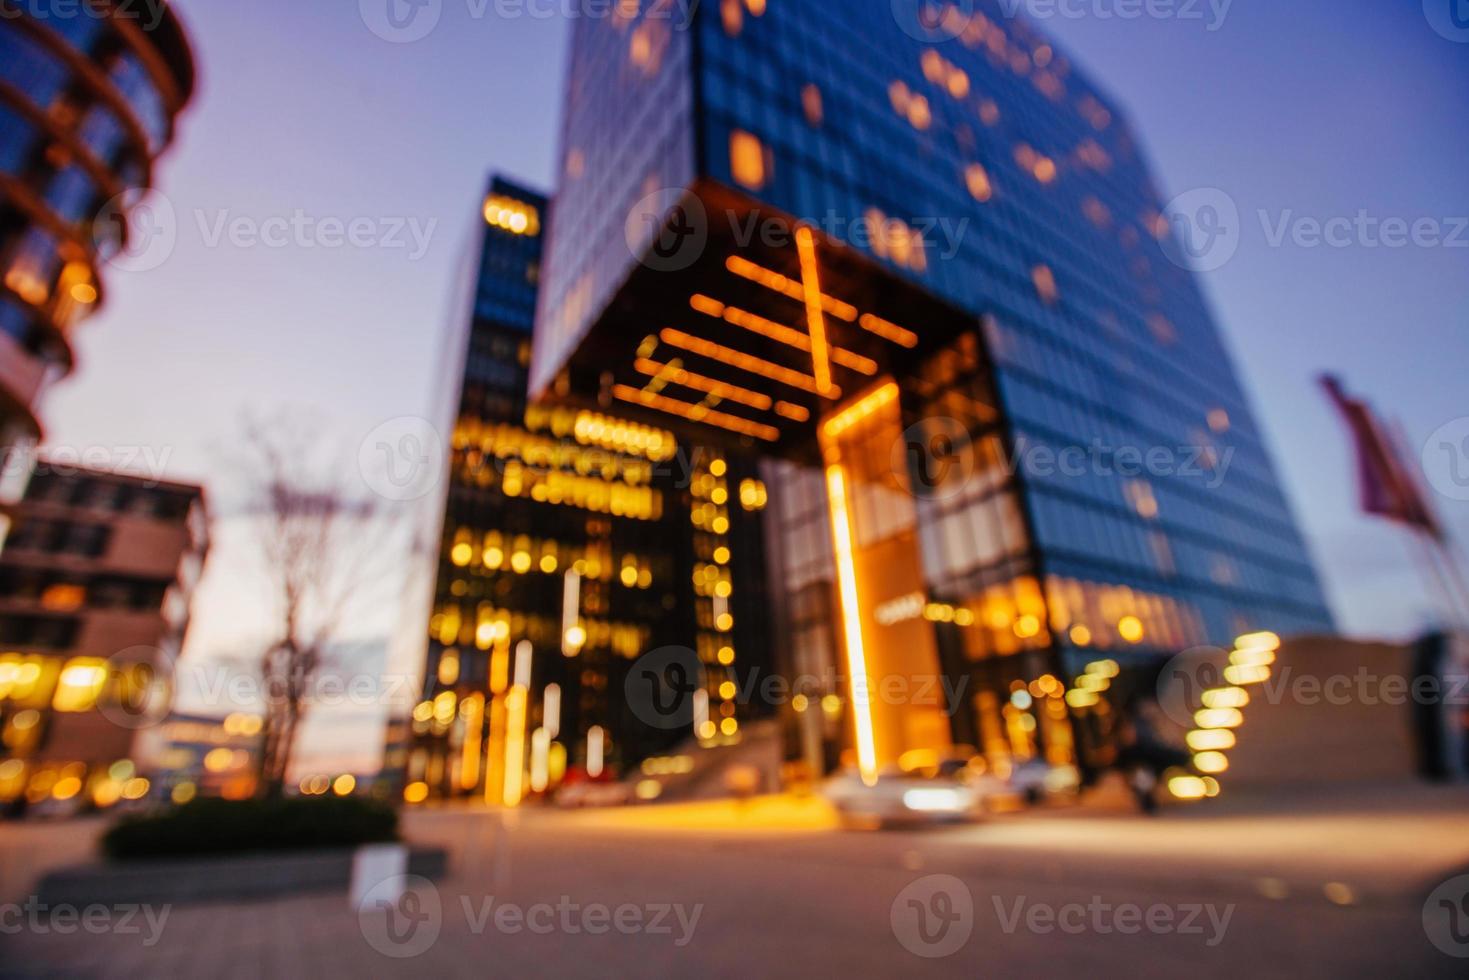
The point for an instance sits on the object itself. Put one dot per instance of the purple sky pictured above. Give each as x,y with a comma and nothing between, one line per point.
1314,108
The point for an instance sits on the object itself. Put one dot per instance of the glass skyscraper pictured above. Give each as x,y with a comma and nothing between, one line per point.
913,256
574,542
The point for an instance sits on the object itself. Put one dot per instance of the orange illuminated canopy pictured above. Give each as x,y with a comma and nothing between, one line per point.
757,337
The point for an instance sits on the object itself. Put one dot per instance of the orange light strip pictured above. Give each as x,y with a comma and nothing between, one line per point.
707,305
689,379
514,744
859,410
815,318
841,536
695,413
745,362
794,412
888,330
779,332
773,280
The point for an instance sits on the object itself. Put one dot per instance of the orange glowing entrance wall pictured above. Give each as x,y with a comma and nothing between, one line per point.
874,537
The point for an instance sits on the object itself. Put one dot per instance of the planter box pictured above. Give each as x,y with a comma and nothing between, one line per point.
223,878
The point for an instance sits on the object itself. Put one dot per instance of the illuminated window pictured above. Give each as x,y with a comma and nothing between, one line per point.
894,240
1039,166
80,682
978,181
1045,284
1096,212
910,105
63,597
732,15
511,215
753,496
645,47
1140,495
1162,329
811,104
748,160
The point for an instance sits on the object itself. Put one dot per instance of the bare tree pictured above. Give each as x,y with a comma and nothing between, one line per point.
319,541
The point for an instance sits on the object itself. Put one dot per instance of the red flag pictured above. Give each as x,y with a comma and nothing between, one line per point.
1385,483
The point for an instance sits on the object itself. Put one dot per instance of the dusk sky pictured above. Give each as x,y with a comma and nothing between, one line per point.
1301,109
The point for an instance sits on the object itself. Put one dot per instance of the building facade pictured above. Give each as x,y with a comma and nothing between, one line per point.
88,97
911,255
95,592
574,543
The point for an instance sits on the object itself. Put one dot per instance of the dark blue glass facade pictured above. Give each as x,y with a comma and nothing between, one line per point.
968,157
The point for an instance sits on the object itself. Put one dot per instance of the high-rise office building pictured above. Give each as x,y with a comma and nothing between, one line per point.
574,542
88,97
913,256
95,592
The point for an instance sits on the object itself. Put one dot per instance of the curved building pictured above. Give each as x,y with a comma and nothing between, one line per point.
88,99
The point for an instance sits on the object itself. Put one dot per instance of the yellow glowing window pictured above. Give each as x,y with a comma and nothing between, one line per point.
511,215
893,239
747,160
978,181
80,683
63,597
1045,284
732,15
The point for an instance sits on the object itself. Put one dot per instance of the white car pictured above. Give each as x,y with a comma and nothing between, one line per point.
903,798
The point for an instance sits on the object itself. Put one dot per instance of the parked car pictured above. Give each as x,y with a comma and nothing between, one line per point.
898,798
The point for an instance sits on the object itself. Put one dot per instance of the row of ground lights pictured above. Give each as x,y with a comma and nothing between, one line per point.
1221,714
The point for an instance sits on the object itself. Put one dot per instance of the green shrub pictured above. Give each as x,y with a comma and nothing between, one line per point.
209,826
